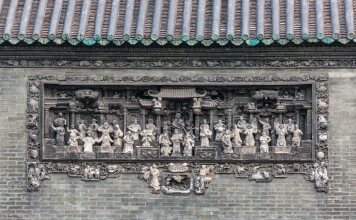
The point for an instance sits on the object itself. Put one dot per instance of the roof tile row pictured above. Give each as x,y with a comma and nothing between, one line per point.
177,21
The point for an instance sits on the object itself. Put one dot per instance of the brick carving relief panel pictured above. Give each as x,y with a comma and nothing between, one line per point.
177,133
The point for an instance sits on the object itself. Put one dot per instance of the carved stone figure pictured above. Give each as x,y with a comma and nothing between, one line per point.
88,144
91,172
152,176
226,141
205,176
82,129
93,129
36,174
297,136
320,176
264,141
281,131
105,138
128,143
290,126
60,121
205,134
166,126
280,170
117,135
250,131
236,136
135,129
60,134
73,145
220,129
241,123
165,143
147,137
189,142
150,126
177,139
266,126
178,123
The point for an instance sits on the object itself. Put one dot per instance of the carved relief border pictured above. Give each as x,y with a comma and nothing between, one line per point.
182,63
193,176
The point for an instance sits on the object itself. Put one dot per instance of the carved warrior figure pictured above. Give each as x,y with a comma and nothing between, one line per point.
73,145
281,131
266,126
93,129
226,141
147,137
297,136
236,136
241,123
165,143
135,129
264,141
205,134
177,139
88,144
250,131
150,126
152,176
60,121
82,129
188,144
290,127
128,142
58,127
118,134
220,129
105,138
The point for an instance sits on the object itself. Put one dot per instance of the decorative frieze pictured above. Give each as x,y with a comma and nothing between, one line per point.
177,132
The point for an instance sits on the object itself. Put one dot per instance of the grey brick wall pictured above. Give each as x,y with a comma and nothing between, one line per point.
127,197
